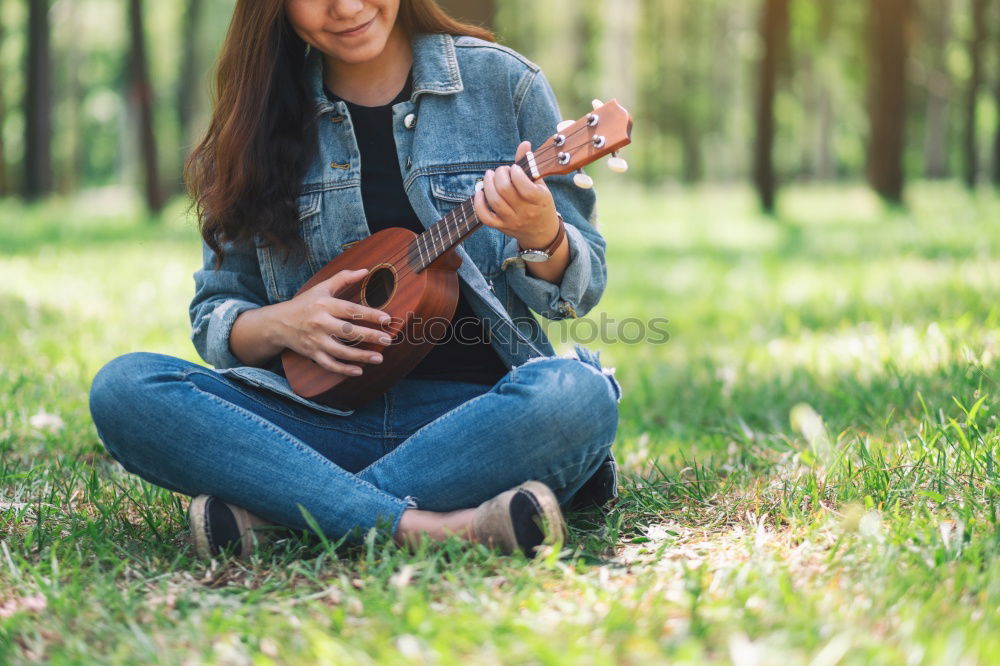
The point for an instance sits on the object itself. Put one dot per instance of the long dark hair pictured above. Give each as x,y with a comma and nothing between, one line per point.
244,176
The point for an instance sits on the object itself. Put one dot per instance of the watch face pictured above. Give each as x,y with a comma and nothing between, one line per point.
534,256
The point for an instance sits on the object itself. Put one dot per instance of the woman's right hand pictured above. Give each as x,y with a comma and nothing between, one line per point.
315,324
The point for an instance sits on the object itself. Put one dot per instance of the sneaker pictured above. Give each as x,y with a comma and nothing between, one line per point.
218,526
522,518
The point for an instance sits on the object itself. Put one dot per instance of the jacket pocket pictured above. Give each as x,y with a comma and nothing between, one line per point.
309,205
454,188
285,271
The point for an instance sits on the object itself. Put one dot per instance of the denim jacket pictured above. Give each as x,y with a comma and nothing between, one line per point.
473,102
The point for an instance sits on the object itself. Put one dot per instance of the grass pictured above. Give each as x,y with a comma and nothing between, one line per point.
810,461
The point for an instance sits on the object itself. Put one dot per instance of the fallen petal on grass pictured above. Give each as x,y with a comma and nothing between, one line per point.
44,421
32,604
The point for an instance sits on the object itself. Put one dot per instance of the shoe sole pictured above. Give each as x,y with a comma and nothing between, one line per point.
198,520
553,523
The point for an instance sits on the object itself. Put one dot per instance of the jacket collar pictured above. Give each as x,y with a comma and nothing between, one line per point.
435,70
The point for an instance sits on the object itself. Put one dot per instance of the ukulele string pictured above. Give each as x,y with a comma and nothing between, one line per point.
409,249
545,160
541,159
568,150
407,269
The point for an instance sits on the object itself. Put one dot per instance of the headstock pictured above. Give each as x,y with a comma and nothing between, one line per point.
604,131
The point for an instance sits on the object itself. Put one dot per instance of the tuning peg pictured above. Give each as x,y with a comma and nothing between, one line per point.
597,104
582,180
617,164
564,124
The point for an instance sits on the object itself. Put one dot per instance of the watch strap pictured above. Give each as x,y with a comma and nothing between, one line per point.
551,248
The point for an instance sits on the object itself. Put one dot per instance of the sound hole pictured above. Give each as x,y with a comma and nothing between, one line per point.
379,286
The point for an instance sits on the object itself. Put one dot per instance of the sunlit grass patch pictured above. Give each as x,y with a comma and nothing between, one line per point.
809,457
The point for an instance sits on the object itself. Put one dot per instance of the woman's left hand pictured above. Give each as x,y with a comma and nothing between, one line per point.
519,207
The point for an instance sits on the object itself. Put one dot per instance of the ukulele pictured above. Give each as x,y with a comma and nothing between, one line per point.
412,277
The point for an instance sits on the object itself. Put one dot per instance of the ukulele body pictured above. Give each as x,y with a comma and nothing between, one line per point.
418,300
418,303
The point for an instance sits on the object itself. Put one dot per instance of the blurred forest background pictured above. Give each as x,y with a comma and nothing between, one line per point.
101,93
809,467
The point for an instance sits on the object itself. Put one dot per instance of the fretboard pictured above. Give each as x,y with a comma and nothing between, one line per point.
448,232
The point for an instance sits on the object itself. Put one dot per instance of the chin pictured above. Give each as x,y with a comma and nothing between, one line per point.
355,55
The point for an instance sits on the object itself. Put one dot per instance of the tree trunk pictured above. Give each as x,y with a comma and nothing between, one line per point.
480,12
694,104
996,96
187,81
38,104
653,95
587,26
692,163
970,152
72,167
937,22
824,156
3,153
825,165
141,93
888,50
813,78
774,19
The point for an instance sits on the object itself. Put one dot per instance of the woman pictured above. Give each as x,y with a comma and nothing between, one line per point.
334,119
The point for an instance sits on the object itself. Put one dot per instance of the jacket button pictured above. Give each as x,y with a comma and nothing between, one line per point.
410,121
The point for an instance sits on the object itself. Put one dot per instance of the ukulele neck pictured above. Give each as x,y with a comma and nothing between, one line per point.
449,231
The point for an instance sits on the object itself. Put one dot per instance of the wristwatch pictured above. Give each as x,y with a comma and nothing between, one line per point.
545,254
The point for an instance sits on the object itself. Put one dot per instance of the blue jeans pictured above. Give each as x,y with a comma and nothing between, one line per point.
433,445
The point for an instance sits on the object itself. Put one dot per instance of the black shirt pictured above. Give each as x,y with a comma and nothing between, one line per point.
464,353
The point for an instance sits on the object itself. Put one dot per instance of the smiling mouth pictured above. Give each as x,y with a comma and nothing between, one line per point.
356,29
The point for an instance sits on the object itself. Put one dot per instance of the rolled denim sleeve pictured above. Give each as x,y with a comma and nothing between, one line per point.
586,275
221,295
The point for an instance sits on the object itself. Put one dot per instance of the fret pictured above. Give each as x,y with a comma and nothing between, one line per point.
439,244
420,249
523,163
460,219
455,230
464,219
431,243
471,220
446,230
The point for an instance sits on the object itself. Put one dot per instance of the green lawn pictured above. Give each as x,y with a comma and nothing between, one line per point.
809,461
